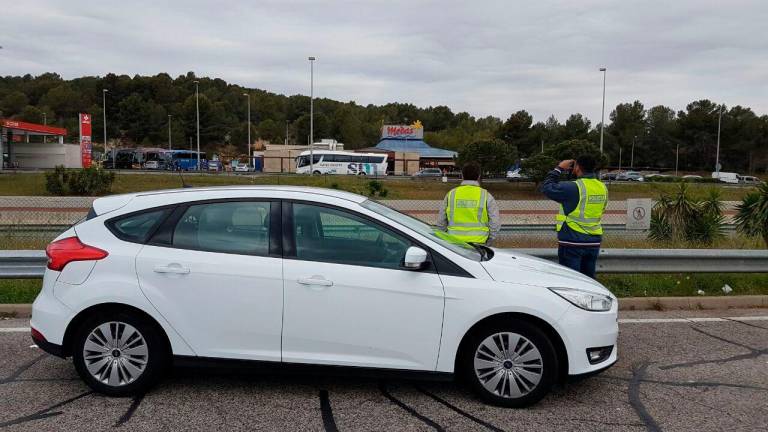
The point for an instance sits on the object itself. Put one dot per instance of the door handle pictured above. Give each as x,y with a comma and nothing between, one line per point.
171,268
315,280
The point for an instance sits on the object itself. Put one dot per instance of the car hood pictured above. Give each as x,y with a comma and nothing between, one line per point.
515,267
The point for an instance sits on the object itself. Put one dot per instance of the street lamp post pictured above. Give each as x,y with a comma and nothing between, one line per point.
169,131
311,114
602,116
45,123
632,155
104,109
197,113
717,152
249,129
619,159
677,157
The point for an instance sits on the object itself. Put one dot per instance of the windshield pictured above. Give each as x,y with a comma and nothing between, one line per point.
441,237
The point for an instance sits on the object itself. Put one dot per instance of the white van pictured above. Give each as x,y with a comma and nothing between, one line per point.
726,177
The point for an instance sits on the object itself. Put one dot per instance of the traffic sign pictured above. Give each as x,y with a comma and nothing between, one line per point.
639,214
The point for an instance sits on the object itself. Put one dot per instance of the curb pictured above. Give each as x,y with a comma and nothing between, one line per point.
625,304
16,310
689,303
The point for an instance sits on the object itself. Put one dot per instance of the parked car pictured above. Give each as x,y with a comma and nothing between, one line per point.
609,176
215,165
428,173
692,177
242,168
516,175
629,176
749,180
299,275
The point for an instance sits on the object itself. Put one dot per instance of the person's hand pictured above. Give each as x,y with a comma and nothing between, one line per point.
566,164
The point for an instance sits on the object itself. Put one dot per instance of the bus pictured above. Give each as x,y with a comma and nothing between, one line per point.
341,162
186,160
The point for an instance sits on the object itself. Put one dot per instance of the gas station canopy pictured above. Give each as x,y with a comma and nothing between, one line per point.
23,128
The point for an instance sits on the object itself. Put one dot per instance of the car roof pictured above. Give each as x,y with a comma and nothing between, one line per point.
262,188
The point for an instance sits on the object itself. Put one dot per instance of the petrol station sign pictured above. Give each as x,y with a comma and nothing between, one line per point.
85,139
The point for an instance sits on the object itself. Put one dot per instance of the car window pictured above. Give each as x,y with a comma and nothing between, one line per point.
228,227
136,227
330,235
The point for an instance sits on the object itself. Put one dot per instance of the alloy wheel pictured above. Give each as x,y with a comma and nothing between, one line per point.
508,365
115,353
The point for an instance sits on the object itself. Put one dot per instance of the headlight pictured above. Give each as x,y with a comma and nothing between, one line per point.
585,299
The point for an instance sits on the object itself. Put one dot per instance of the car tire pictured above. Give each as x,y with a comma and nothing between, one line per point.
516,378
316,173
139,356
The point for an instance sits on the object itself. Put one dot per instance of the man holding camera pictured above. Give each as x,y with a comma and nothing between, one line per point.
582,203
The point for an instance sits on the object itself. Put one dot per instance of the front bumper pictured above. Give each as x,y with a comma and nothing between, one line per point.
583,330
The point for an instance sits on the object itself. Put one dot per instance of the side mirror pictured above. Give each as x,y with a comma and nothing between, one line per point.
415,257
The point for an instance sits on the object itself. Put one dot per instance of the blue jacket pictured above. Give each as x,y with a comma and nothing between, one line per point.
567,194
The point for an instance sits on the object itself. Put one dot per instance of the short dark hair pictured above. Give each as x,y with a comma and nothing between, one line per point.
587,163
470,171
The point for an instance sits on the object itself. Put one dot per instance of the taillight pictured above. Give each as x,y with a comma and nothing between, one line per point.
62,252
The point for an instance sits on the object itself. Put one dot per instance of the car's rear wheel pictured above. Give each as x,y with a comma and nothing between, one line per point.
120,355
512,365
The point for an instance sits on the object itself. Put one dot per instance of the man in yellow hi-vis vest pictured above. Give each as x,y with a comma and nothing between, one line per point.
470,213
582,203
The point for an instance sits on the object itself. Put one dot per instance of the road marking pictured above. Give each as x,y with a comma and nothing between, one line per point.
691,320
14,329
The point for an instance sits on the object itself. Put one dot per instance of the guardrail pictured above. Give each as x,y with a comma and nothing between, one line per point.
22,264
30,264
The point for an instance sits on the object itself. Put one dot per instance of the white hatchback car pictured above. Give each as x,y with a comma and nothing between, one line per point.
298,275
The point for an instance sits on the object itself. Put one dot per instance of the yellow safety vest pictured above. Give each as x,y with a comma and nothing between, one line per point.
467,214
586,217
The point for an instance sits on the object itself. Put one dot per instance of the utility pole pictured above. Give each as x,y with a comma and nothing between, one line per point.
249,129
677,157
286,132
197,112
104,109
632,155
311,114
619,159
169,131
602,118
717,153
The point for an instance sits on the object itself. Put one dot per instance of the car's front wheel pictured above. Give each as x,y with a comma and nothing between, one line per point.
120,355
512,365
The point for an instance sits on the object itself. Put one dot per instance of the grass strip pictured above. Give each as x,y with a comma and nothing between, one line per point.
629,285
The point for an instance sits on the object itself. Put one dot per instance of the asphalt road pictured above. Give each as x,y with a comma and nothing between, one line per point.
698,374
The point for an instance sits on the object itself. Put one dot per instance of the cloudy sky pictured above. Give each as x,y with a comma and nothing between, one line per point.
484,57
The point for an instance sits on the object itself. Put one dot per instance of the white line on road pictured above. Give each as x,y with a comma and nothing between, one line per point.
691,320
14,329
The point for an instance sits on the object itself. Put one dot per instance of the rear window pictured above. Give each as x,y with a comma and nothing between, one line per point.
137,227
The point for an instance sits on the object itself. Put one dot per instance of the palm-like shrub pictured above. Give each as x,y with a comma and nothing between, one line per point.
684,217
752,214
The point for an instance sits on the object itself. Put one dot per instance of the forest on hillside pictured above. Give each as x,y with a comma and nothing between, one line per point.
138,110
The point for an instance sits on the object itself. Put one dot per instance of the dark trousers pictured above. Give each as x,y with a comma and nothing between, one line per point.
581,259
